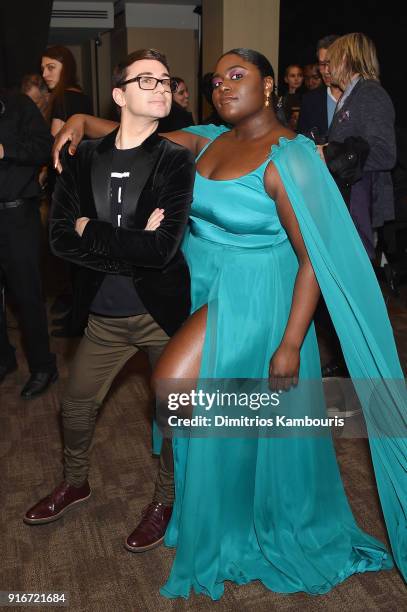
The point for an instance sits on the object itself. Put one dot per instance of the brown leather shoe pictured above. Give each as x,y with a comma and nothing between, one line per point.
150,531
54,506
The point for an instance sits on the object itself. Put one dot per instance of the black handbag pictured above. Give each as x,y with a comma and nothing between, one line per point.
346,159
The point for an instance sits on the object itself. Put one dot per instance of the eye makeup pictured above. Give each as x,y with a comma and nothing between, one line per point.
234,73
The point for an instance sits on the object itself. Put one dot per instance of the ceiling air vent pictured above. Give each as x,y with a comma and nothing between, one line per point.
95,15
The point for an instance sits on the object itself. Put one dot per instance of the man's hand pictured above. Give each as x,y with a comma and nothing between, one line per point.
1,151
154,220
73,130
80,225
321,151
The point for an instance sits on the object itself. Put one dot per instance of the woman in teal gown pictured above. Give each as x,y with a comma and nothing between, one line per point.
274,508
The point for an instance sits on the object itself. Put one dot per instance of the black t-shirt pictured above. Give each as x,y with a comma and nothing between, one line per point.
71,103
117,295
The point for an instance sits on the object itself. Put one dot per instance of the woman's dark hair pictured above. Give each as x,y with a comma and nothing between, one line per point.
120,71
255,58
68,78
178,79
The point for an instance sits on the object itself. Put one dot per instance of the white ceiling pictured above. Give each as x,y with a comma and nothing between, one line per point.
71,36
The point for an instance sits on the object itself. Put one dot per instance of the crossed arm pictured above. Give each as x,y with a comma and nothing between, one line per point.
99,245
146,248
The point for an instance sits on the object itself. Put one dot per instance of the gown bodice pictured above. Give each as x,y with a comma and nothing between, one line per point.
236,212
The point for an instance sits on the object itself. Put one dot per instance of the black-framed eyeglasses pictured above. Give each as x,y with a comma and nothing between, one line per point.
149,82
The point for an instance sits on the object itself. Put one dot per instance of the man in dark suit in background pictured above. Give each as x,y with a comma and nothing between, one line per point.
25,145
318,105
316,113
108,218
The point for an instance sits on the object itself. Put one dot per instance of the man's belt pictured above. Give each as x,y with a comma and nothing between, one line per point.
14,203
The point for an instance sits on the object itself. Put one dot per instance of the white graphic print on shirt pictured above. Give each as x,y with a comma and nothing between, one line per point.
118,182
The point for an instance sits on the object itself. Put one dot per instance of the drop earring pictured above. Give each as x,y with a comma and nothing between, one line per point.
267,100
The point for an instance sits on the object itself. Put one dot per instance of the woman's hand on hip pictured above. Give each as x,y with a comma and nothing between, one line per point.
284,367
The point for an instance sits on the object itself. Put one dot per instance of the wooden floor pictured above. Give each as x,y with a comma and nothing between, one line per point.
83,553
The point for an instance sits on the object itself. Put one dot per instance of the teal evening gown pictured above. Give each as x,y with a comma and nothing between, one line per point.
273,508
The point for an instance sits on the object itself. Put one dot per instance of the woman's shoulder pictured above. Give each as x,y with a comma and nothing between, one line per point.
74,94
78,100
285,137
210,131
70,103
283,132
293,147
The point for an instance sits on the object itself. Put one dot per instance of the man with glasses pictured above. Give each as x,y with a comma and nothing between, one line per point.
318,105
120,208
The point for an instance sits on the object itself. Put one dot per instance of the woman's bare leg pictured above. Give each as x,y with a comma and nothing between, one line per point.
181,358
178,367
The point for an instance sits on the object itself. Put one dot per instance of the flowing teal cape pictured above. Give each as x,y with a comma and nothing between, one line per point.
355,303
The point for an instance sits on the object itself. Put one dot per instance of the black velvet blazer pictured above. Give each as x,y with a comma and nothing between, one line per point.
163,179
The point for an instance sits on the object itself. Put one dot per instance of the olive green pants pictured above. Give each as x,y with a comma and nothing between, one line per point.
108,343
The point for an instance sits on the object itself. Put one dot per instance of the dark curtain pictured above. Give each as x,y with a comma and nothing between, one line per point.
24,26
